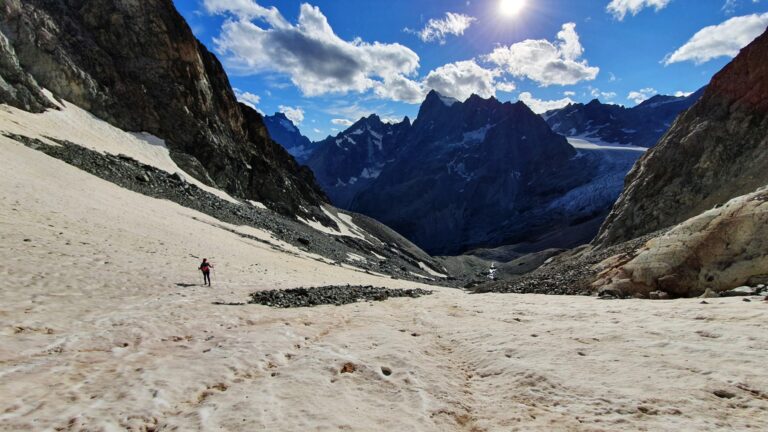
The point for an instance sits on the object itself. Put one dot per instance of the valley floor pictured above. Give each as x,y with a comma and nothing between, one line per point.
103,328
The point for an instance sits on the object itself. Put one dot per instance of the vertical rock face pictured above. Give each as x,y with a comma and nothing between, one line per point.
715,151
18,88
137,65
641,125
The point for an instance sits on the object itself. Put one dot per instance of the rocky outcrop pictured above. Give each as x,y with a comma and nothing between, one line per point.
715,151
18,88
718,250
285,133
641,125
137,65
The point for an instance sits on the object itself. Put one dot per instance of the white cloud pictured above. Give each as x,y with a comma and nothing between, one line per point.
620,8
541,106
461,79
247,98
343,109
400,88
641,95
569,93
506,86
722,40
439,29
546,62
296,115
391,119
256,39
596,93
729,7
681,93
246,9
342,122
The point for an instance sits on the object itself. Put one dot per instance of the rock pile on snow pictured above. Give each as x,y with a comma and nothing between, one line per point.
335,295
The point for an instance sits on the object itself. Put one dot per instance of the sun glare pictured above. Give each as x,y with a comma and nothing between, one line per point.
511,7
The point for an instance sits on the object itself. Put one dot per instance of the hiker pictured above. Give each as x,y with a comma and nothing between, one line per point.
206,267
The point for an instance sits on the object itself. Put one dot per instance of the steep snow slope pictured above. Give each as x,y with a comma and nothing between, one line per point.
74,135
71,123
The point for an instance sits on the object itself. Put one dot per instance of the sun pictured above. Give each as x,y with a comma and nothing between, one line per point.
511,7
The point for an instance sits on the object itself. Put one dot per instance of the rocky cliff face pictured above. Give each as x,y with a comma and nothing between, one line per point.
715,151
348,163
475,173
137,65
285,133
641,125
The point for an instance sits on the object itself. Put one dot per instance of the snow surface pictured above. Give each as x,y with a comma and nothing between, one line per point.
477,135
355,257
615,162
71,123
448,101
346,226
257,204
432,272
91,343
288,125
592,144
370,173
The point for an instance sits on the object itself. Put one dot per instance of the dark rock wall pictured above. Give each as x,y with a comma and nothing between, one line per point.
715,151
137,65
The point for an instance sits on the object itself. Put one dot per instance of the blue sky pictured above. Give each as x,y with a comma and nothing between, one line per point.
328,62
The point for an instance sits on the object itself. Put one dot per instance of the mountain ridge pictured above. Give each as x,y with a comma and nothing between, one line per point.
641,125
435,169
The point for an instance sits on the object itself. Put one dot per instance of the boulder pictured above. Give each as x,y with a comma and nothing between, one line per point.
759,281
719,250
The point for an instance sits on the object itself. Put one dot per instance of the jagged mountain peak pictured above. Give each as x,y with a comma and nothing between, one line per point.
287,134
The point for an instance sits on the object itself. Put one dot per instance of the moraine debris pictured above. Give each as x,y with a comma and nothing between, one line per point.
333,294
